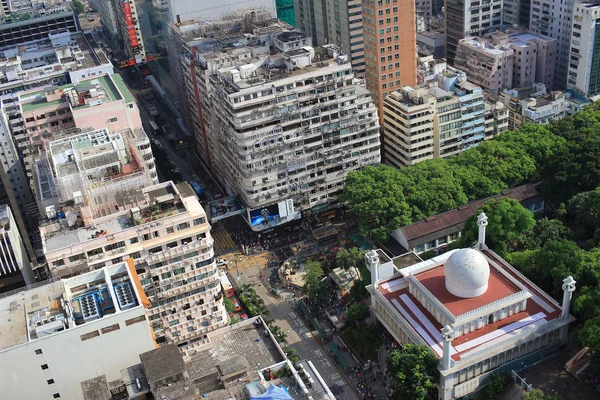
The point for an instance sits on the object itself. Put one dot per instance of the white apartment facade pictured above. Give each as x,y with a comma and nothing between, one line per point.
553,18
13,254
584,64
533,105
68,331
292,136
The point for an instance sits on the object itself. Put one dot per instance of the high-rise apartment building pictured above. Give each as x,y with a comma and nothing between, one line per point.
103,204
503,61
469,18
68,331
389,30
334,22
15,265
296,156
584,59
128,22
553,18
429,121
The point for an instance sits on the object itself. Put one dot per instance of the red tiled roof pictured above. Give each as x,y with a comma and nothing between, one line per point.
459,215
498,288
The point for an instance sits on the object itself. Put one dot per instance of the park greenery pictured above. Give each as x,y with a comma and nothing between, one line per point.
314,284
256,306
564,157
78,6
355,258
413,371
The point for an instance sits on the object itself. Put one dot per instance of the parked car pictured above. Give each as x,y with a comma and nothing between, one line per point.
221,262
244,316
237,306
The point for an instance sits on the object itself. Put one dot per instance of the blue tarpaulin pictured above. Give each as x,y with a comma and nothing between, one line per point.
273,393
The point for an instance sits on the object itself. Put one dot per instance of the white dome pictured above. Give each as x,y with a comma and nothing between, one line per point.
467,273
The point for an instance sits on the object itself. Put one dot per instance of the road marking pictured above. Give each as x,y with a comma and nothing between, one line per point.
318,353
335,376
325,363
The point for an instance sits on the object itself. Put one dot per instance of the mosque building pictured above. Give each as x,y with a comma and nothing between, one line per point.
476,312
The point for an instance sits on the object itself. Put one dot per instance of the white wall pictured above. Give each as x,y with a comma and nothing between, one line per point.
206,10
71,361
93,71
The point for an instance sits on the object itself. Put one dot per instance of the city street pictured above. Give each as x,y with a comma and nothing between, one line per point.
299,336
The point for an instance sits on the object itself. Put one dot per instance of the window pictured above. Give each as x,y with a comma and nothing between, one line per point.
50,381
155,234
135,320
182,226
170,230
88,336
114,246
114,119
58,263
420,248
174,322
134,240
76,257
199,221
431,244
94,252
110,328
38,352
44,366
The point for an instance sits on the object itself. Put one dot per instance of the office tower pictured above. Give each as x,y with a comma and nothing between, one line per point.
553,18
57,335
108,18
584,62
503,61
389,30
103,204
469,18
334,22
297,155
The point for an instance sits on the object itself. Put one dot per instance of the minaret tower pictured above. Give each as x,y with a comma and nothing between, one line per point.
482,222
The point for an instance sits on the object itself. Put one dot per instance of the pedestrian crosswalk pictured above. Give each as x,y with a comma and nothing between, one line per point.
223,243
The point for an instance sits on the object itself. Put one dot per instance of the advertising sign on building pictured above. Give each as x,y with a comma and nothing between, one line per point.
128,15
133,37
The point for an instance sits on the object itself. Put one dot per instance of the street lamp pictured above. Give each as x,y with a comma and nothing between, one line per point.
236,267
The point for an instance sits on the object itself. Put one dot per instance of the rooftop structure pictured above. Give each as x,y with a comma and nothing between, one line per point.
534,105
474,310
72,330
24,21
435,232
237,362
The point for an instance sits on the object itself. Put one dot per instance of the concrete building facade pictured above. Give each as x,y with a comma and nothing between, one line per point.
289,159
334,22
553,18
534,105
389,30
469,18
128,22
438,119
502,60
584,58
62,333
14,257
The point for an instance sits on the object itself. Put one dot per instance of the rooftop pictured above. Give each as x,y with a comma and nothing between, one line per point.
40,312
505,283
88,93
481,44
453,221
152,203
68,51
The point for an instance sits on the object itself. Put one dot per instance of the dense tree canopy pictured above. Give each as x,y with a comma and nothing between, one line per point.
314,286
413,370
508,225
357,314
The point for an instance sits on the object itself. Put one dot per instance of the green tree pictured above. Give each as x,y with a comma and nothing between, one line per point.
589,336
534,394
585,305
545,230
377,195
350,259
314,284
508,224
356,314
78,6
498,382
293,356
584,212
228,303
413,370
